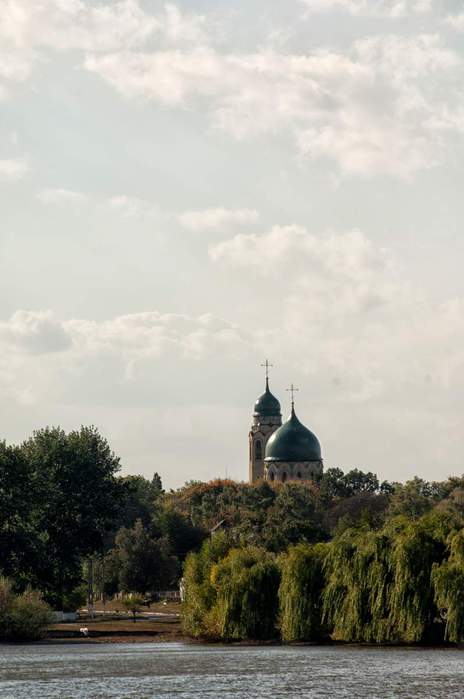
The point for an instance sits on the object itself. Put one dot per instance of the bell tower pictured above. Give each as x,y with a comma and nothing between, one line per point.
267,417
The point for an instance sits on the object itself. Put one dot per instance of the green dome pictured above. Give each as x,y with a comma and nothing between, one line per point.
267,405
293,442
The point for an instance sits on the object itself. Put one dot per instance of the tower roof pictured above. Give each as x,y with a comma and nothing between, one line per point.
267,405
293,442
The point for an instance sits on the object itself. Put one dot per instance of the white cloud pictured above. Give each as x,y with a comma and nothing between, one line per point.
90,26
13,169
217,218
60,196
130,207
374,8
69,24
153,334
345,270
179,27
455,22
36,332
132,337
344,314
29,29
382,107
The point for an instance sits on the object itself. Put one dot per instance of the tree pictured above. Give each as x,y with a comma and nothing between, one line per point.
199,617
357,481
300,592
145,564
365,509
294,516
21,543
413,499
74,498
133,604
141,500
247,583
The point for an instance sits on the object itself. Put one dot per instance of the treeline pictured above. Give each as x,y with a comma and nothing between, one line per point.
347,557
401,583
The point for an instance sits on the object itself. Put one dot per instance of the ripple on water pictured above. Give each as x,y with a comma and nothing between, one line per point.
183,671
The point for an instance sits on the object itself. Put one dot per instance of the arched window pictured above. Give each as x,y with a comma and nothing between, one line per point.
299,474
271,476
258,450
284,477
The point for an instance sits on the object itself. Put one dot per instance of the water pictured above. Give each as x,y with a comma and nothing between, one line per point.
181,671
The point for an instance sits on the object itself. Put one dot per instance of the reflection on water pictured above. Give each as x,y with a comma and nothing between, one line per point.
184,671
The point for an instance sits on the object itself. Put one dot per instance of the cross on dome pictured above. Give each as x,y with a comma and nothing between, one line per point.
292,390
267,365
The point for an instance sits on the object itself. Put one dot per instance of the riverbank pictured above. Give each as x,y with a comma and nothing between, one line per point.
116,630
158,623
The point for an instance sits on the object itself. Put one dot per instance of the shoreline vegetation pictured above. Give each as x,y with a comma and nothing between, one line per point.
345,558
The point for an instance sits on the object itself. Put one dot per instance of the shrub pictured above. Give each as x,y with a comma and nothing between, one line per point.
23,617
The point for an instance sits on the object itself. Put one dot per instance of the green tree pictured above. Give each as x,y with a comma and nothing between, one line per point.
145,564
199,610
247,583
300,592
413,499
76,497
133,604
22,544
448,584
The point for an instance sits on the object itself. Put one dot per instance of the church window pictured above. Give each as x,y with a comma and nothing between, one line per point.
271,475
258,450
284,477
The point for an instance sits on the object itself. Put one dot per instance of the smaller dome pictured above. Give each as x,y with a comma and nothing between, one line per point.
267,405
293,442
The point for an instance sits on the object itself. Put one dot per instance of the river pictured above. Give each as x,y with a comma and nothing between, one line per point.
182,671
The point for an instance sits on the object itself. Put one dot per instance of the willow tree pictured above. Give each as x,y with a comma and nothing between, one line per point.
417,547
247,583
199,612
448,583
356,595
300,592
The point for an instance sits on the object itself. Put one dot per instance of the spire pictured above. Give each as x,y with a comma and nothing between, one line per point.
267,405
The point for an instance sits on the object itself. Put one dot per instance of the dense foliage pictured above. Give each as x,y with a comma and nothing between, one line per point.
347,558
300,592
66,516
397,577
23,617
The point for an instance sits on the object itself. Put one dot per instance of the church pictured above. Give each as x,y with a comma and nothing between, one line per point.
281,452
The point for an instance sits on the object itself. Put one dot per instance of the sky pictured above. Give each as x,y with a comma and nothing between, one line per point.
188,188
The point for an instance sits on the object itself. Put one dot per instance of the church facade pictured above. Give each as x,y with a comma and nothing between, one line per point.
279,451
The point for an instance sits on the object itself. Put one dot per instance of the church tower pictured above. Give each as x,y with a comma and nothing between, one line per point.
267,418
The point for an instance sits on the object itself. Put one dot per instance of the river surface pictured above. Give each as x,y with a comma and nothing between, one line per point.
182,671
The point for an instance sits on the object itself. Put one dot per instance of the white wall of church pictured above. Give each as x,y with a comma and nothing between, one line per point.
282,471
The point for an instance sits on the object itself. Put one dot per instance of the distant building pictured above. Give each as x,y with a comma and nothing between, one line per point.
281,452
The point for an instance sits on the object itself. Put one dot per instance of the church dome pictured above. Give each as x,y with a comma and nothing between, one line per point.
267,405
293,442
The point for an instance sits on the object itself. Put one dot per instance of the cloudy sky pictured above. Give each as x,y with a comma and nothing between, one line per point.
189,188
